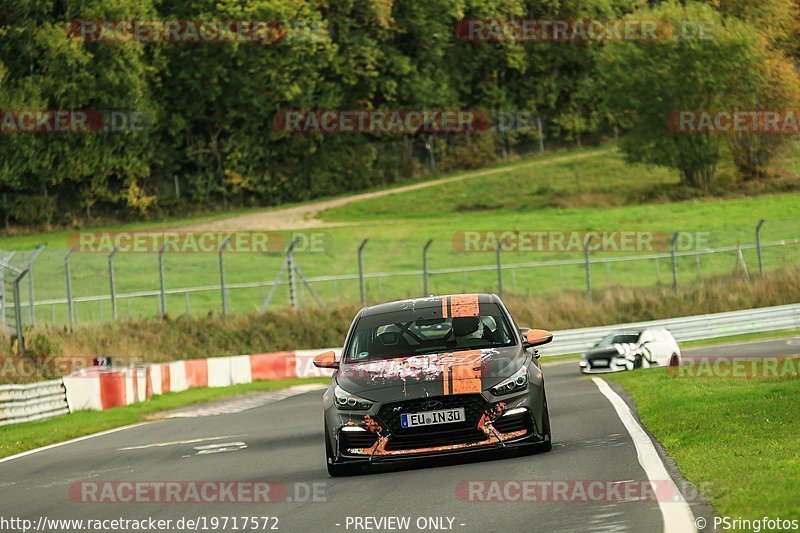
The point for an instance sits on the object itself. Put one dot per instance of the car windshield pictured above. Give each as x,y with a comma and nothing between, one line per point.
408,333
619,338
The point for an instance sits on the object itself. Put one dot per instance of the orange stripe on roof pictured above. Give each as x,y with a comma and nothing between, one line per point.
464,305
444,307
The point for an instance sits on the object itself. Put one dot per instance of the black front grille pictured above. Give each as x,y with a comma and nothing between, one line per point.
356,439
465,432
430,440
474,406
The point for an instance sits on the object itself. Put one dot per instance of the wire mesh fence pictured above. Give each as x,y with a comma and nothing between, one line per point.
66,288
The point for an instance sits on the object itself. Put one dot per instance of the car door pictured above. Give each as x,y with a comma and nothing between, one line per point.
647,344
661,349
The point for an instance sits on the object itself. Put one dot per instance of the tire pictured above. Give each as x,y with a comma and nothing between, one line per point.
336,470
674,360
547,445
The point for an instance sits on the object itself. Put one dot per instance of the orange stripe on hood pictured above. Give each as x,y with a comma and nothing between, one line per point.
465,370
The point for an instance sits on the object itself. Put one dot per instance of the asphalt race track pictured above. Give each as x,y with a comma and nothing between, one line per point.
764,348
281,442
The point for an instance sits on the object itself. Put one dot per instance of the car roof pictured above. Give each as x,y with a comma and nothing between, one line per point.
423,303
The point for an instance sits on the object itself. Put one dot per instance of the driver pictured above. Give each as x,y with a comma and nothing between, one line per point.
468,327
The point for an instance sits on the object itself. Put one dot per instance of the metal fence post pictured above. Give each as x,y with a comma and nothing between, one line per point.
70,312
588,269
162,288
222,275
18,313
361,284
758,247
500,290
31,309
290,266
425,267
111,283
674,262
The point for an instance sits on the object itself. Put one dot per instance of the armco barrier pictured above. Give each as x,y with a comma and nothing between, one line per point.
25,403
690,328
98,389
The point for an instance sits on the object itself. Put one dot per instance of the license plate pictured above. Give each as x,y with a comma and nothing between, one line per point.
600,363
431,418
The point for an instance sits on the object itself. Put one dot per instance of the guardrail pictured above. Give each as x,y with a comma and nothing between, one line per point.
25,403
690,328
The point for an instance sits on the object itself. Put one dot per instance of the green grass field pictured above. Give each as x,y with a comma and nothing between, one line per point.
18,438
735,439
549,193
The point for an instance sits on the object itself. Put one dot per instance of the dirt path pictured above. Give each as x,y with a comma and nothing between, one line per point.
305,216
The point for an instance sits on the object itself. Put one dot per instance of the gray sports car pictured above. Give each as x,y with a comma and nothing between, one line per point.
431,376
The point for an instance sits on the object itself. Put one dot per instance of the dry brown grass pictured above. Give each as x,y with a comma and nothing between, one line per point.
632,304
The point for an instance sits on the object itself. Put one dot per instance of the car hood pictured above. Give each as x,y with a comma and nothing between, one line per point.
611,351
463,372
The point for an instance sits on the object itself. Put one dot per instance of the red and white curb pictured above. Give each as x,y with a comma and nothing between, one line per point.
99,388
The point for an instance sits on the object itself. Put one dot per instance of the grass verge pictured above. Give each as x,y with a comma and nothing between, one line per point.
18,438
736,439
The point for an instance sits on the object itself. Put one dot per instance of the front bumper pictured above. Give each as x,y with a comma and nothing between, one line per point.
604,366
492,423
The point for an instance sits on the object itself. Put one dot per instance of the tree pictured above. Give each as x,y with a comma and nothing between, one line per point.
779,91
46,70
652,80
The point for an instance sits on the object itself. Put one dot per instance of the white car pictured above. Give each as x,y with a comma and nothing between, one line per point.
630,349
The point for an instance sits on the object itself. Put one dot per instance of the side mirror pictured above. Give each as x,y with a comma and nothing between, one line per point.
536,337
326,360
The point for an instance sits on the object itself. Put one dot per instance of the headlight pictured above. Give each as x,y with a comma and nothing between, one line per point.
517,382
348,401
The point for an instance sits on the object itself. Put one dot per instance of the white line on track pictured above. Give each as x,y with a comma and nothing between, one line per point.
79,439
677,515
179,442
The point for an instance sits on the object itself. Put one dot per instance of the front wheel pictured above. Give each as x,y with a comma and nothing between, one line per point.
547,445
334,469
